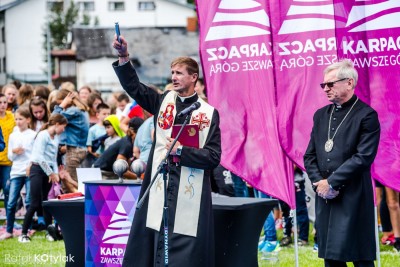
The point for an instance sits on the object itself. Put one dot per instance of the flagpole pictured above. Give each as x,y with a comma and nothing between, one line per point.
296,244
378,251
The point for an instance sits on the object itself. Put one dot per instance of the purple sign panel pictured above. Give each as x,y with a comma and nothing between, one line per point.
109,211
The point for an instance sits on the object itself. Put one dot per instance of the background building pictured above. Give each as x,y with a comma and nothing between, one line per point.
157,30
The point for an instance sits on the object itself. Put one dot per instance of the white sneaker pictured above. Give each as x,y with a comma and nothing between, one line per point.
49,238
24,239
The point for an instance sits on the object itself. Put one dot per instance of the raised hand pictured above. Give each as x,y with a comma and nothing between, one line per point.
122,48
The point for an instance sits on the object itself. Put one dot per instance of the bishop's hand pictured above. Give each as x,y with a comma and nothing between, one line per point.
322,188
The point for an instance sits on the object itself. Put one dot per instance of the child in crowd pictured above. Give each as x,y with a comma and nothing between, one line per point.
7,123
122,149
94,99
76,133
43,170
113,130
11,93
95,132
42,92
270,243
84,93
144,138
25,94
301,212
131,110
122,101
40,114
19,151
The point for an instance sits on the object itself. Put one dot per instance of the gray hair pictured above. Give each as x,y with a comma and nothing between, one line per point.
345,69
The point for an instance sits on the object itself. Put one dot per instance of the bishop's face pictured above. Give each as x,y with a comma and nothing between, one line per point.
182,81
341,89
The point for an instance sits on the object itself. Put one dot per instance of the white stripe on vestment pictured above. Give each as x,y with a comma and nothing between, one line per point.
191,185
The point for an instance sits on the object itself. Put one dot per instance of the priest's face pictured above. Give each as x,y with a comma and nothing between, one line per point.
338,90
182,81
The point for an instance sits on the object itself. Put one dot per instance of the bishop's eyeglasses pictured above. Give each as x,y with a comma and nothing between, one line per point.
331,84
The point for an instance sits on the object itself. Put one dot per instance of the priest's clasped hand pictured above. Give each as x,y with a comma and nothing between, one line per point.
169,143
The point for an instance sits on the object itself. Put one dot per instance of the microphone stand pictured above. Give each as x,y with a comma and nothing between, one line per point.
163,168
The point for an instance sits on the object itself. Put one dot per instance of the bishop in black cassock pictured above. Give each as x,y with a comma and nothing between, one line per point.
340,170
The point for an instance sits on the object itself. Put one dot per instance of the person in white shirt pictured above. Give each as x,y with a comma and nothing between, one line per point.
20,146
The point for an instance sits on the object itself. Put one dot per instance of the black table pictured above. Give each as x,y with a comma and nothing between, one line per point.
237,229
70,215
238,224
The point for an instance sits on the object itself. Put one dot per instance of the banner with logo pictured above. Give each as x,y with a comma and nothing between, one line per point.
237,60
298,40
310,35
109,211
371,38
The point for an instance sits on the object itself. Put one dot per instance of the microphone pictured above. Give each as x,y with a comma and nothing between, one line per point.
189,109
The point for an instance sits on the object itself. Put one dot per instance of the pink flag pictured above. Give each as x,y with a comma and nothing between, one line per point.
371,38
236,55
263,62
310,35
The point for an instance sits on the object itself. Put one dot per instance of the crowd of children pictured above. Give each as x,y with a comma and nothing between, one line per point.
45,135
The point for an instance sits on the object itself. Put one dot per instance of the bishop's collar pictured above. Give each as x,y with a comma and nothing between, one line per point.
346,104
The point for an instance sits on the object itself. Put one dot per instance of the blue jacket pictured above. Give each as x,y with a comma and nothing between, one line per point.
76,132
2,144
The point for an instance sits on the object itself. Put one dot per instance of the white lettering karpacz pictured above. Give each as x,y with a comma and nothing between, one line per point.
111,251
235,52
371,45
298,47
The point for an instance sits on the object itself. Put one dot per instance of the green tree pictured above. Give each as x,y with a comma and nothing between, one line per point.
85,19
61,23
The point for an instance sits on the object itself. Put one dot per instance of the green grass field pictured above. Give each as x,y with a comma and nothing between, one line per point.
308,258
41,252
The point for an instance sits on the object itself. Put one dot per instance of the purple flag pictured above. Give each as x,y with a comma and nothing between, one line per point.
310,35
263,62
371,38
236,55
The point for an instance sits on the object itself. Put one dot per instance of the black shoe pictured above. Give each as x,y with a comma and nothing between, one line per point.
396,246
58,233
53,232
286,241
